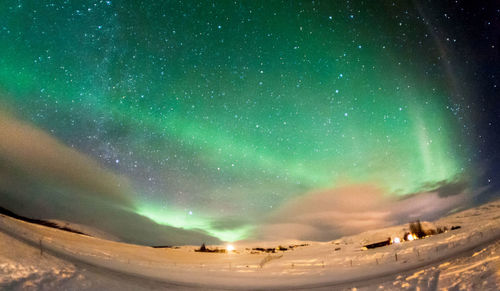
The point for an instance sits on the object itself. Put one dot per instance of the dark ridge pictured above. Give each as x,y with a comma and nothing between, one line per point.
379,244
204,249
9,213
165,247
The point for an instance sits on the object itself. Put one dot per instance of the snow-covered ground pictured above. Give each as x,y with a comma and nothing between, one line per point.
33,256
92,231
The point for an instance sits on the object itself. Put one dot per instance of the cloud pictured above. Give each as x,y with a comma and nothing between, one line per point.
328,214
448,188
29,151
43,178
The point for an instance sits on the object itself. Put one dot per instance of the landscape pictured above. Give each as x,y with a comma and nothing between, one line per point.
466,258
249,145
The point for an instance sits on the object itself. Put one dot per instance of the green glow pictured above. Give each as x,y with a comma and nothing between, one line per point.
231,109
188,221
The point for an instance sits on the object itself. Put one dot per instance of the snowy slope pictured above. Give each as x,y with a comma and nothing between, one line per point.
92,231
440,258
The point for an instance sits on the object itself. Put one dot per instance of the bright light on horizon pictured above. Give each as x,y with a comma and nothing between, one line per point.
229,248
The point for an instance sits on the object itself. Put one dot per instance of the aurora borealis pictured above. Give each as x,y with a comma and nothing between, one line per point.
217,113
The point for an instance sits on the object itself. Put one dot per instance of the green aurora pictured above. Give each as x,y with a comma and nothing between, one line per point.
220,112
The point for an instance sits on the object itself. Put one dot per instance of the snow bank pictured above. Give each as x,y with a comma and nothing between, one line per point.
318,264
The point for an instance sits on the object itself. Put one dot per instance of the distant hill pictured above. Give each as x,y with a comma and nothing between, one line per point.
9,213
89,230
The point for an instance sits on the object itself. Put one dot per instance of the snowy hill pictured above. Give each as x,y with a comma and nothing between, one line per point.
44,258
92,231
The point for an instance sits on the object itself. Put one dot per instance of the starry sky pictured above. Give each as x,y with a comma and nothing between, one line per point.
217,113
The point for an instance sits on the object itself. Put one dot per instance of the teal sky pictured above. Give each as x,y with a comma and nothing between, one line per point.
220,112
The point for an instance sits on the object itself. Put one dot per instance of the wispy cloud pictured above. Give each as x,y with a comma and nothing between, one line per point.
44,178
331,213
35,154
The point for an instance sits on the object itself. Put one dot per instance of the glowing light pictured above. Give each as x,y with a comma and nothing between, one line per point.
410,237
176,218
396,240
229,248
327,122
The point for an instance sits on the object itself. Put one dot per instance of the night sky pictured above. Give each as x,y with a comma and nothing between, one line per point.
217,113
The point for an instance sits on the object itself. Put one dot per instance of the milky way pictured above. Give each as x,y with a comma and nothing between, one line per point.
218,113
